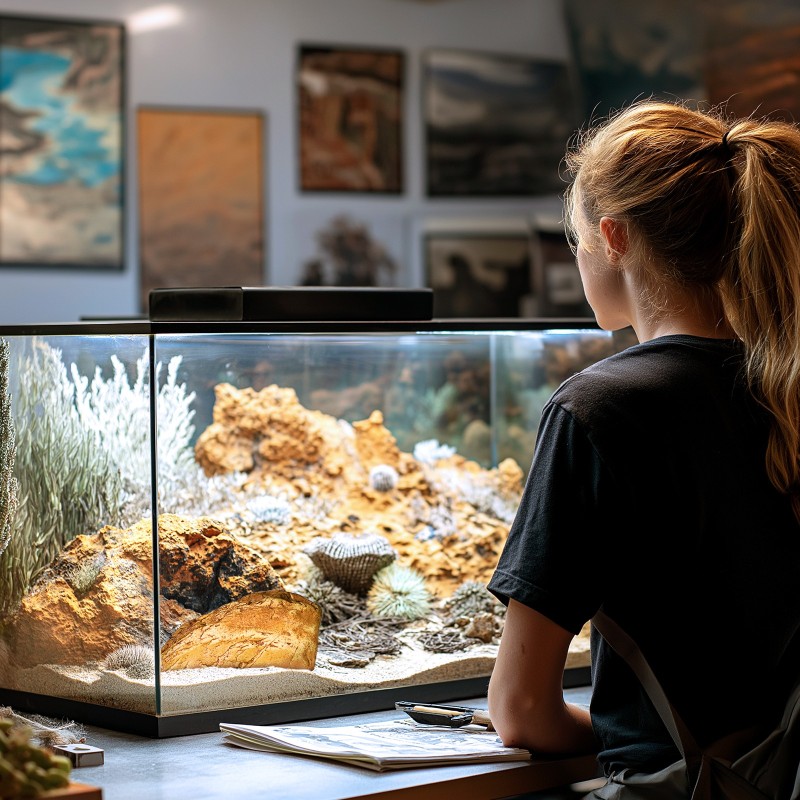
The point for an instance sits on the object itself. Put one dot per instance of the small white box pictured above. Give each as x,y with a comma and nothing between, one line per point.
81,755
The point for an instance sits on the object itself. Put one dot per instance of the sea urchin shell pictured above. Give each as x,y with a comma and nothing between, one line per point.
351,561
383,478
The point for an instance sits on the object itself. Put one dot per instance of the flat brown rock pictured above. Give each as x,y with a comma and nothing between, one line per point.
264,629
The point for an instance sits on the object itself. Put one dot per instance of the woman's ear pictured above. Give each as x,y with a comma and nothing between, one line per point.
615,236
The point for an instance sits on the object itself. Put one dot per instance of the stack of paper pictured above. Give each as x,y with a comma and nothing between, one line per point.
395,744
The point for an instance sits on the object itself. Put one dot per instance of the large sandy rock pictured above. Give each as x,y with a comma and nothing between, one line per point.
97,596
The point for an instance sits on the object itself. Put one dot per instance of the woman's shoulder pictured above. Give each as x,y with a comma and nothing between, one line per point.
661,370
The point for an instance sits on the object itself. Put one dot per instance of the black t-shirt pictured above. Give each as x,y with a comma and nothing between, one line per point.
648,496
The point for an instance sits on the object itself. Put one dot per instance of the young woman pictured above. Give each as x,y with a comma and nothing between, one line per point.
665,486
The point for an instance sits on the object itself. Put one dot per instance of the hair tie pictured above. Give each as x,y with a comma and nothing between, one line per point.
726,145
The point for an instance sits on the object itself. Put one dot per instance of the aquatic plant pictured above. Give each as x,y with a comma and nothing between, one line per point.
383,478
430,451
268,508
399,591
8,453
136,660
66,483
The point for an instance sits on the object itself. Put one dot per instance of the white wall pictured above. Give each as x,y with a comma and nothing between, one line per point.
241,54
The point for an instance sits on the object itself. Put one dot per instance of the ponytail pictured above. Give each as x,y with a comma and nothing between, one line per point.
761,287
716,211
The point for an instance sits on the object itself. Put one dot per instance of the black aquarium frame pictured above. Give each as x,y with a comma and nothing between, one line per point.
157,725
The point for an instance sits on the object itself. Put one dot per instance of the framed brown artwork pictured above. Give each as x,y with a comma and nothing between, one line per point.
201,198
350,121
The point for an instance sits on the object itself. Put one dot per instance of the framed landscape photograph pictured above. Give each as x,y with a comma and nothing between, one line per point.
479,269
495,125
350,119
201,198
62,132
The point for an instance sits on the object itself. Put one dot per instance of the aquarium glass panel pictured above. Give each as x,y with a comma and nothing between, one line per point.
331,506
76,588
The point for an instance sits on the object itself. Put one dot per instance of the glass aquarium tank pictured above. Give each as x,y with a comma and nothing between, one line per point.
262,522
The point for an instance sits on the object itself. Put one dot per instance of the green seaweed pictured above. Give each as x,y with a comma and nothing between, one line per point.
67,484
8,451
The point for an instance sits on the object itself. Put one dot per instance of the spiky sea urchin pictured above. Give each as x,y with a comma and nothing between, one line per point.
399,591
383,478
136,660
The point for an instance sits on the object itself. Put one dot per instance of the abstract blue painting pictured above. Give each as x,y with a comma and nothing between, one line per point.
61,128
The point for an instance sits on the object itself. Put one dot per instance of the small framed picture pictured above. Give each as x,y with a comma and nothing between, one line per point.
479,268
350,119
556,276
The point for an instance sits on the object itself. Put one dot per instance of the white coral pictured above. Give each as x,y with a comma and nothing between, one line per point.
268,508
430,451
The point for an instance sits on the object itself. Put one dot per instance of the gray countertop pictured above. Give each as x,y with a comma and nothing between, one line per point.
202,767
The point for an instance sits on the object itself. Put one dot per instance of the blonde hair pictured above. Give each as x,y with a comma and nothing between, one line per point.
712,206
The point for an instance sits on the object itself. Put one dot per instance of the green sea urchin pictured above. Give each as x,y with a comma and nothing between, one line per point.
399,591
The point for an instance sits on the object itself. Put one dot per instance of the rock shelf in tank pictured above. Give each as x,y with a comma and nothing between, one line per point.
323,508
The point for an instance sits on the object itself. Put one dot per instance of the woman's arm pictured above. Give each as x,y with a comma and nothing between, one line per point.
526,695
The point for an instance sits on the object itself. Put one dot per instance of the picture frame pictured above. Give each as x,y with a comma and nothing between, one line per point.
479,268
557,280
201,197
496,125
350,119
62,202
331,247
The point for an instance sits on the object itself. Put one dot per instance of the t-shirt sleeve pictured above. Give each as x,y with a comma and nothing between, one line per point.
554,560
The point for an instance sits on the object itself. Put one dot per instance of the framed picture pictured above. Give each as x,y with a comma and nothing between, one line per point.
346,249
62,129
626,50
495,125
201,198
556,277
350,119
479,268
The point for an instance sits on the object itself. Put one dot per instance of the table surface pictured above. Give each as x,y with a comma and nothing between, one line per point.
202,767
